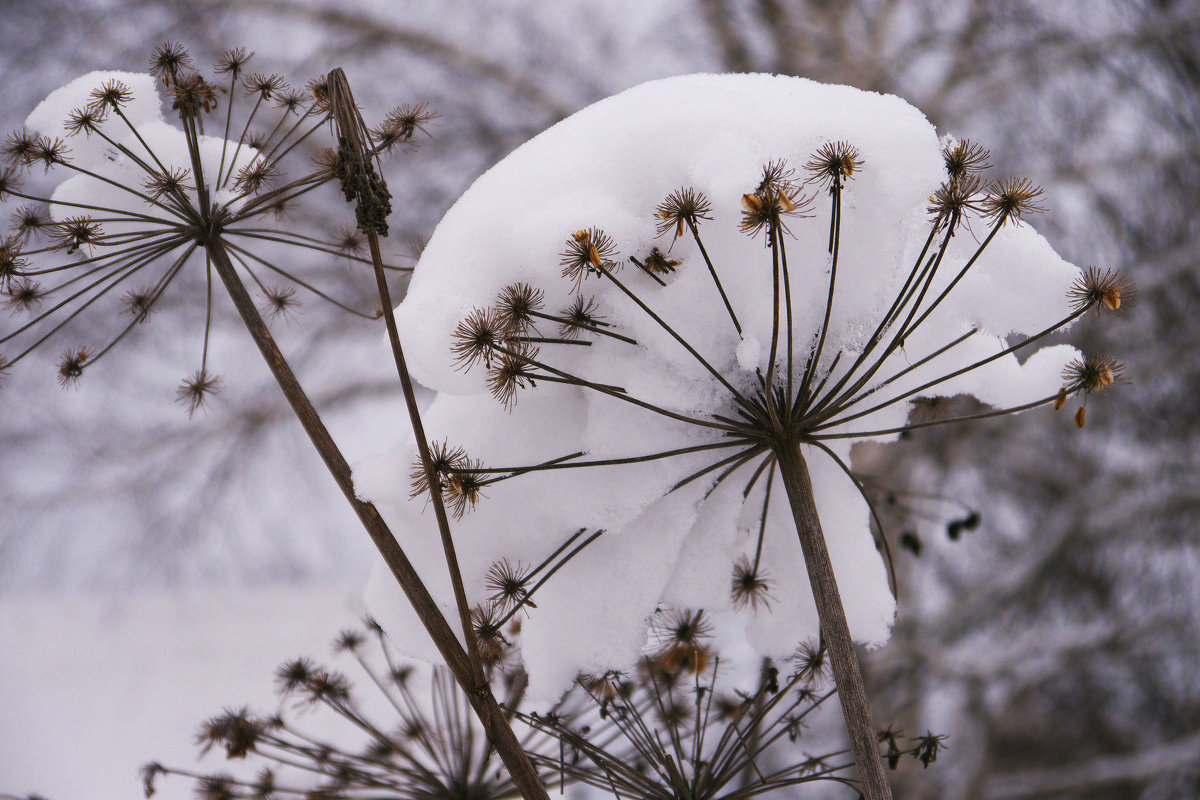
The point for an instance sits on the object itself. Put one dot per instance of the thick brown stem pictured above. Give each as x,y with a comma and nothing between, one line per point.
847,674
482,701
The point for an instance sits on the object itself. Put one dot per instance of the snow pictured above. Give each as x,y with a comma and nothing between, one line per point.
608,166
93,687
142,132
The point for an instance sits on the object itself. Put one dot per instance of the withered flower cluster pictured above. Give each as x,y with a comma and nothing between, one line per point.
142,203
669,730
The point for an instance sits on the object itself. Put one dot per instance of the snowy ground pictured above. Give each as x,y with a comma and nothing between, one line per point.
93,687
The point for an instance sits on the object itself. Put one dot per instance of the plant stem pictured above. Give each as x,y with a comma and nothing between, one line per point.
847,674
483,702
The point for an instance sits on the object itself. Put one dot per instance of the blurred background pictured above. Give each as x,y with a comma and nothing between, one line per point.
1056,643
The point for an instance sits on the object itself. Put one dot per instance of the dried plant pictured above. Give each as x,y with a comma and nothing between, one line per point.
418,738
817,389
155,197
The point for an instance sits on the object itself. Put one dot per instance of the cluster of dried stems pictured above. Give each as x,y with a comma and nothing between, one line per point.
187,214
668,730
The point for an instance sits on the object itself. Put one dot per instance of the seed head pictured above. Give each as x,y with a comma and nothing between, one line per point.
195,391
232,62
776,197
1101,290
168,60
812,662
85,120
1012,198
515,307
71,365
18,147
750,586
75,232
111,96
507,581
578,317
319,89
257,175
658,264
949,205
265,86
236,731
681,207
488,636
293,675
511,372
965,158
476,338
350,240
402,123
29,221
682,637
171,182
280,301
291,101
139,302
348,641
446,459
12,263
51,152
833,163
588,252
1093,373
25,295
192,95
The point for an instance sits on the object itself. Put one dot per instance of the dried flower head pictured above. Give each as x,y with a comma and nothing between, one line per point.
402,123
477,337
657,263
18,147
950,204
682,207
778,196
71,365
169,60
578,317
509,584
683,640
833,163
1012,199
1093,373
588,252
160,201
111,95
511,371
265,86
85,120
750,586
964,158
197,390
25,295
232,62
280,301
139,302
517,305
1102,290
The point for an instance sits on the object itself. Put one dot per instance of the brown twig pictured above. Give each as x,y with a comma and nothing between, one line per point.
354,153
847,674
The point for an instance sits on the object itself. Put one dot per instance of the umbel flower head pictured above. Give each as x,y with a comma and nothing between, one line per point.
145,204
833,264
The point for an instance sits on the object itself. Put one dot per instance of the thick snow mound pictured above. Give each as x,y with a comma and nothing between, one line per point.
608,167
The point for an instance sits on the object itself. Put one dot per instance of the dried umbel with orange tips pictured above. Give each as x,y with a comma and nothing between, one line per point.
718,430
